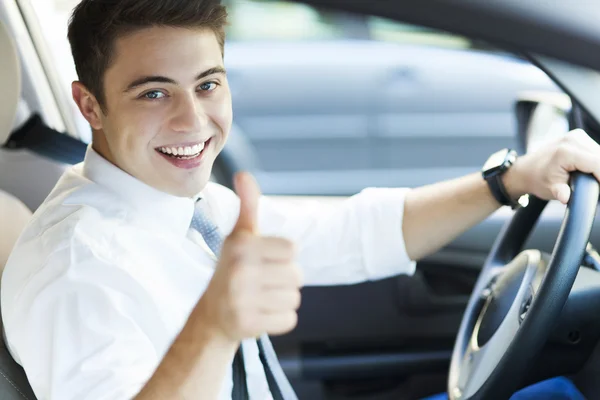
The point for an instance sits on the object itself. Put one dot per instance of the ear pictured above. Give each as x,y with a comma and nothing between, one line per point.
88,105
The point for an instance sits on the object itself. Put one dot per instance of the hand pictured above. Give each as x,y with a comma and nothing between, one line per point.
256,285
545,172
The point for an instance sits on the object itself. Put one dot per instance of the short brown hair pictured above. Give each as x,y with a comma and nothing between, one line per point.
95,25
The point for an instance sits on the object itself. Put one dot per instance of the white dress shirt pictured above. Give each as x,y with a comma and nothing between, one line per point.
105,275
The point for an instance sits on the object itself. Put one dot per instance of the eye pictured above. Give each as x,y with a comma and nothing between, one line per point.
208,86
153,95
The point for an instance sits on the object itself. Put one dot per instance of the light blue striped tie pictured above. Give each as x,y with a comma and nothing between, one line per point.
202,223
207,228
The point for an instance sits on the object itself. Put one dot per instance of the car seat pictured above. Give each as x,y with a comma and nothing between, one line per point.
14,215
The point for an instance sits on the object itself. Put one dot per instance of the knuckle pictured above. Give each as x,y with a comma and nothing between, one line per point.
288,246
284,323
296,300
566,142
294,275
563,151
578,133
299,275
291,320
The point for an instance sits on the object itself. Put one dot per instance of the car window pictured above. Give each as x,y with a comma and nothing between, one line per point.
394,31
328,103
52,17
267,20
335,102
270,20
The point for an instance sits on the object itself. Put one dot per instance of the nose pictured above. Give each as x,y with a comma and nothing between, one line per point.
188,115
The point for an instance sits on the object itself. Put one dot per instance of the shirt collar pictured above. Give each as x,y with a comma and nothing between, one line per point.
153,206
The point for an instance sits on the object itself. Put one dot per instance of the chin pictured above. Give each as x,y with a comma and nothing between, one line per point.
189,190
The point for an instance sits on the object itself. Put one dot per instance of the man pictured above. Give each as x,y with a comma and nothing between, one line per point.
120,288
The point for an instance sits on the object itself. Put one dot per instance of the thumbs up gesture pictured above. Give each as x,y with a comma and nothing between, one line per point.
256,286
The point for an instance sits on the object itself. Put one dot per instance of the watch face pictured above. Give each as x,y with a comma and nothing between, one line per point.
495,161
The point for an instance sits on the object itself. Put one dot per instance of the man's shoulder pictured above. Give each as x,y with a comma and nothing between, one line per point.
76,210
72,230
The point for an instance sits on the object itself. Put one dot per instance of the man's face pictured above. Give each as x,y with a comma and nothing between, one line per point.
168,108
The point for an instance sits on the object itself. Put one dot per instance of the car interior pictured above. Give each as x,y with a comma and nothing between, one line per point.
408,347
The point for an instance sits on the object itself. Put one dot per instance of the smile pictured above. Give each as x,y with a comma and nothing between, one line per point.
183,152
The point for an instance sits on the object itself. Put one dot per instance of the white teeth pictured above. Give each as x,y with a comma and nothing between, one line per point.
183,151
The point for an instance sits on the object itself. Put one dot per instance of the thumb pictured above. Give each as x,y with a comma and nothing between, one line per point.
248,191
561,192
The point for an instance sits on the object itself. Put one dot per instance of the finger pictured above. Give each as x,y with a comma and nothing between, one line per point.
277,249
248,191
281,275
279,323
586,162
561,192
280,300
584,141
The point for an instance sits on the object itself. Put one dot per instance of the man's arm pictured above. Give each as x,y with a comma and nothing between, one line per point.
194,365
435,215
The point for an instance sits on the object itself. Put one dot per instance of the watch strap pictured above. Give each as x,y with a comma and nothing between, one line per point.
499,191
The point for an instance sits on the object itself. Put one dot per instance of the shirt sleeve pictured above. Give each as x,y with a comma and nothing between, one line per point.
344,242
82,332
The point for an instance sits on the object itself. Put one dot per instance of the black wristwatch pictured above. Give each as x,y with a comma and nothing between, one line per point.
492,172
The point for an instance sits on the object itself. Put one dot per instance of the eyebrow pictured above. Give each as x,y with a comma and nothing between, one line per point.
163,79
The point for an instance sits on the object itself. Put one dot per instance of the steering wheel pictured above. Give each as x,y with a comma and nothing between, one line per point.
518,297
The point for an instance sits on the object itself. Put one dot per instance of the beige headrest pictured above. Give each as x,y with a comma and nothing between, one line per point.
10,83
14,216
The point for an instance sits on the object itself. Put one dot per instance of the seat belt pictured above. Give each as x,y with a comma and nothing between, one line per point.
240,387
38,137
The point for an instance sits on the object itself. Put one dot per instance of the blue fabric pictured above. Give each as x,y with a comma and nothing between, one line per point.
559,388
207,228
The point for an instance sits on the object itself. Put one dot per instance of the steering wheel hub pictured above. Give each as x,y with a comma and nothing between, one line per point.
502,294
